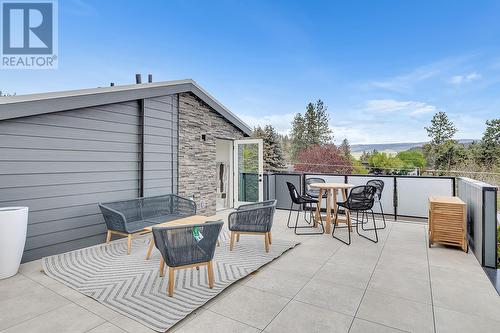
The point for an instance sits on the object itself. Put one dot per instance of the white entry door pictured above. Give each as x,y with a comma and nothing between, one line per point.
248,171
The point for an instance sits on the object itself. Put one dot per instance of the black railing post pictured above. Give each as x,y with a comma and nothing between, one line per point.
454,189
395,199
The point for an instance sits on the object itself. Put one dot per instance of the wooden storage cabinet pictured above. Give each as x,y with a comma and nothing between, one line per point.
447,221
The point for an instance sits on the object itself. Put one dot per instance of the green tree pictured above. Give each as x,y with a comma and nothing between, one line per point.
273,153
358,168
383,163
345,148
276,159
322,121
297,135
286,147
442,151
258,133
490,143
441,129
412,158
311,132
365,156
449,154
310,129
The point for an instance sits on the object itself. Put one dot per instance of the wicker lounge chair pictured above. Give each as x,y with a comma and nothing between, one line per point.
255,218
184,247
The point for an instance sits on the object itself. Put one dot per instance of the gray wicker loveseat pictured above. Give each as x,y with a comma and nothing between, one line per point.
130,217
255,218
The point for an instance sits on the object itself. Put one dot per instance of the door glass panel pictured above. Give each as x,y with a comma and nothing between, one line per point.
248,172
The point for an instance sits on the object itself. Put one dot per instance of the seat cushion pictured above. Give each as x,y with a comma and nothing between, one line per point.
136,226
164,218
305,199
249,227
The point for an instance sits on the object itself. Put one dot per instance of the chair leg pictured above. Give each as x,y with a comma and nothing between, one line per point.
374,228
305,214
382,211
307,226
237,238
170,281
296,221
129,243
210,272
231,243
363,221
289,214
270,238
266,242
162,266
383,219
108,237
335,226
150,248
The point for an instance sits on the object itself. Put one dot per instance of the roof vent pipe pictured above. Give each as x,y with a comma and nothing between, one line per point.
150,78
138,78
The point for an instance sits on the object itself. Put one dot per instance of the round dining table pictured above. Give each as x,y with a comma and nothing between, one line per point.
331,190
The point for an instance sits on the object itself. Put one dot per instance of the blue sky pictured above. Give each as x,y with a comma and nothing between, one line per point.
382,67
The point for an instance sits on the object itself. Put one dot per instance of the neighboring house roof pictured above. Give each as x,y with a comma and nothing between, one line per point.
35,104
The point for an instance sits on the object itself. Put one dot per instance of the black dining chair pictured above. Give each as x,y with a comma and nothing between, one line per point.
301,200
360,200
379,185
312,193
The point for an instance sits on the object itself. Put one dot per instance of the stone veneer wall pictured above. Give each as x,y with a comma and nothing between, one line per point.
197,166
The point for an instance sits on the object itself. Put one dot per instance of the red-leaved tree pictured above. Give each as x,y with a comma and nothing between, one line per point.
323,159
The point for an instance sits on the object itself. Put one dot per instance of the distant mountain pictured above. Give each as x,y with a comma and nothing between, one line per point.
392,148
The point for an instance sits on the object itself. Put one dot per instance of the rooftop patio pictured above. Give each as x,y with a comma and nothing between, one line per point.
397,285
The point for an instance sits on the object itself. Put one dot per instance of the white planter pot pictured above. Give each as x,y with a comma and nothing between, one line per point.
13,225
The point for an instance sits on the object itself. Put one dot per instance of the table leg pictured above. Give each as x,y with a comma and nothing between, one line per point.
335,207
328,220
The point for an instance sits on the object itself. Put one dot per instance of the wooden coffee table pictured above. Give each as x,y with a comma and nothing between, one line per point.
190,220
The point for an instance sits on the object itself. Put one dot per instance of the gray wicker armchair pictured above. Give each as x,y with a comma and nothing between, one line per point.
255,218
130,217
182,247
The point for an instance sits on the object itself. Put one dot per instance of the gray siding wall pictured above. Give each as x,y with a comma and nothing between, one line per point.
160,145
62,164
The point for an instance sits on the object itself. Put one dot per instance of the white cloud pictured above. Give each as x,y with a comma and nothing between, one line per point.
369,133
412,108
281,122
459,79
406,82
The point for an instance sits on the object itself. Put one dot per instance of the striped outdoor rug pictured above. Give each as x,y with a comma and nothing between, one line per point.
131,285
